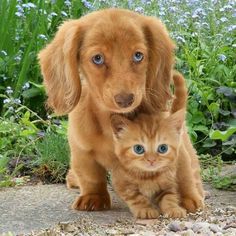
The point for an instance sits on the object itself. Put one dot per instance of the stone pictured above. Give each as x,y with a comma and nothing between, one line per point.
215,228
175,226
188,232
199,227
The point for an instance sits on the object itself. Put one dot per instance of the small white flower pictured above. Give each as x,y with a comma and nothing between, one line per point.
4,52
7,100
18,58
64,13
53,14
180,39
26,86
11,109
42,36
223,19
9,90
17,101
67,3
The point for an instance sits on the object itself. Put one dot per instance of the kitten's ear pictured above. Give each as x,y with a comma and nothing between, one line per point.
118,124
178,119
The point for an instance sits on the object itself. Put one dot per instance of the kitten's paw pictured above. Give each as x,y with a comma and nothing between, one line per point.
193,204
92,202
175,212
146,213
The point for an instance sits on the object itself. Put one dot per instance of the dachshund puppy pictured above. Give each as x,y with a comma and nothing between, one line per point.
109,61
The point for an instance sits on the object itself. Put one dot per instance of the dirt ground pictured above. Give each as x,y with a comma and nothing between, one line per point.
45,210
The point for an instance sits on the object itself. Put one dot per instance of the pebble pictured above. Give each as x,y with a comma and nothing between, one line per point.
188,232
188,225
174,226
231,208
200,227
147,233
112,232
215,228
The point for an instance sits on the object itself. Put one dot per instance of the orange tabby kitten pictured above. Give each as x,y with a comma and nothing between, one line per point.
150,153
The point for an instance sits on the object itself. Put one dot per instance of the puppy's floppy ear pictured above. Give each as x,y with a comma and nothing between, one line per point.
160,62
59,64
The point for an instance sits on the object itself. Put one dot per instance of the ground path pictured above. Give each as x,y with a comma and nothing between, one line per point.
31,208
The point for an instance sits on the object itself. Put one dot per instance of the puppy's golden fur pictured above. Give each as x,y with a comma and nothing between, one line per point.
87,91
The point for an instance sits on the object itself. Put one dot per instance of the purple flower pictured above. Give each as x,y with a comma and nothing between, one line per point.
87,4
231,28
222,57
139,10
29,5
20,11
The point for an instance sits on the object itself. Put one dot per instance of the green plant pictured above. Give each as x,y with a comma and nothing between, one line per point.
24,136
204,32
225,182
53,158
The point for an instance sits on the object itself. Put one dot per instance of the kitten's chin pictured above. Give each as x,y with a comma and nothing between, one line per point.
151,168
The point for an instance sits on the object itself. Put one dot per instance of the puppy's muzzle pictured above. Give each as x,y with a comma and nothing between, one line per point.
124,100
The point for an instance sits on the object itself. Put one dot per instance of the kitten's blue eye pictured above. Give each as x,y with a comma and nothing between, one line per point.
98,59
138,149
137,57
163,148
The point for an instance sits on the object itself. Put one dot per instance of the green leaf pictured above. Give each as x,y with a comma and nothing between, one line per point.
222,135
32,92
214,108
209,143
201,128
27,132
198,117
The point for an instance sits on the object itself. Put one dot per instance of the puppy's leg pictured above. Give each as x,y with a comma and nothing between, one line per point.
71,180
92,182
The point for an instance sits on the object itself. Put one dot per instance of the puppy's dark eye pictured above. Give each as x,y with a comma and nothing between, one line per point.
138,149
138,57
98,59
163,148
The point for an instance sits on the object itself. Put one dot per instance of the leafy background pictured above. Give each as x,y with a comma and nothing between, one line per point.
33,143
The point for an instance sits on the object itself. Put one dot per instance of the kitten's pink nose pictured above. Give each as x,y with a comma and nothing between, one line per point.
151,161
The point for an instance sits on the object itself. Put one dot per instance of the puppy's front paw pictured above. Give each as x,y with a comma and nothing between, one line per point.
175,212
146,213
192,204
92,202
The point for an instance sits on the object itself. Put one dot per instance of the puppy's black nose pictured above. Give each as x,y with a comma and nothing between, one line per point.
124,100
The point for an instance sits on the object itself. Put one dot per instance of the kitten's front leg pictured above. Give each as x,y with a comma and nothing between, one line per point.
140,206
169,205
